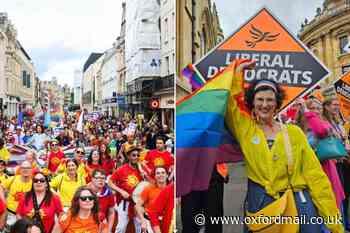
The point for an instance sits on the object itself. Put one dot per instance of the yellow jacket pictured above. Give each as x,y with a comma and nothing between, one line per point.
66,187
15,187
269,167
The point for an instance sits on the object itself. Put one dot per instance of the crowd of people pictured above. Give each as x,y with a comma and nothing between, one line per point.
284,159
92,179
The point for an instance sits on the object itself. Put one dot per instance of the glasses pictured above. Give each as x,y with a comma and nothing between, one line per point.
42,180
79,152
87,198
100,177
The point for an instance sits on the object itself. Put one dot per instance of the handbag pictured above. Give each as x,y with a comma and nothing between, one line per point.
330,148
282,207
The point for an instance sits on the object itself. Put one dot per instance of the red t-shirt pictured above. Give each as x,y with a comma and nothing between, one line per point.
163,205
156,158
2,206
55,159
106,200
127,178
47,212
108,165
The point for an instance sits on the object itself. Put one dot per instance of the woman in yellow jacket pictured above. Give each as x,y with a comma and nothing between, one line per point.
67,183
251,120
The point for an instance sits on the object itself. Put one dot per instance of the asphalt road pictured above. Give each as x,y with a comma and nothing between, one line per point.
233,197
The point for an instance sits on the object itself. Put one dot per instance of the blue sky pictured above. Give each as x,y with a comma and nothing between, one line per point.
232,13
60,35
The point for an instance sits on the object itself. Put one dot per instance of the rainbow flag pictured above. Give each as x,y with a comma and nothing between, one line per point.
195,80
202,137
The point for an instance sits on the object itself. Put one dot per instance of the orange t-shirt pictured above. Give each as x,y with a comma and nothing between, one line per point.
149,194
78,225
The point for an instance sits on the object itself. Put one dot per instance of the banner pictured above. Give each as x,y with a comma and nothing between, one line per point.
342,87
279,56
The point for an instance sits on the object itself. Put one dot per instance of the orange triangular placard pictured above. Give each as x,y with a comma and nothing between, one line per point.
262,33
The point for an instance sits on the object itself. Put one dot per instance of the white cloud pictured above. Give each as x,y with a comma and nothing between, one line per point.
63,70
80,26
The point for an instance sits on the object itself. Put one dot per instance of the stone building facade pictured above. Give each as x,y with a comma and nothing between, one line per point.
197,31
327,35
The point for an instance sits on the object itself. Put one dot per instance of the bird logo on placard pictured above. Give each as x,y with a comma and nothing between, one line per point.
259,36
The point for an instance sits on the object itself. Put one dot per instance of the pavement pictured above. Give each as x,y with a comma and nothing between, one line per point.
234,195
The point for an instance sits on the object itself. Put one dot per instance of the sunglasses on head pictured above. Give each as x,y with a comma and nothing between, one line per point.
41,180
87,198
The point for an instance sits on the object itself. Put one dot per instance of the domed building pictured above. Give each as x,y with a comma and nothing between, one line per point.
327,35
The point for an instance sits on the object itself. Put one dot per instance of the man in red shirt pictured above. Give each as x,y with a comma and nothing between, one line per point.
55,156
106,199
160,157
124,180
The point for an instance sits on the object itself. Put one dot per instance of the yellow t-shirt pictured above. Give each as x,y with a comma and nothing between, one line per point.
4,154
3,178
81,169
15,187
66,187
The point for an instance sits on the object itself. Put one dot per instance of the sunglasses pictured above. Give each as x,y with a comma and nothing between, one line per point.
54,144
87,198
42,180
80,152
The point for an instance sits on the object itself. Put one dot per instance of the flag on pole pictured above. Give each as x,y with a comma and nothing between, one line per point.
80,122
20,118
47,119
195,80
205,140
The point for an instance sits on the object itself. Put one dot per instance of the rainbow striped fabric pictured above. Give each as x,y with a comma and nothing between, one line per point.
202,138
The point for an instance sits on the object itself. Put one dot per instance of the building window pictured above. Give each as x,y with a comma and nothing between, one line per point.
166,30
24,78
28,80
167,65
345,69
343,41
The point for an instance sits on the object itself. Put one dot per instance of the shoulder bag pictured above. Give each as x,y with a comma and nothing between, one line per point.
282,207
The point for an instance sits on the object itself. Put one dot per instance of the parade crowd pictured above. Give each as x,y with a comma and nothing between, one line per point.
110,175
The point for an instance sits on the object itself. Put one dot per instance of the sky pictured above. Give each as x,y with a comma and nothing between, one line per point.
60,35
232,13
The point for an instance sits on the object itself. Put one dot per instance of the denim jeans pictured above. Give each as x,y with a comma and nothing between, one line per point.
256,199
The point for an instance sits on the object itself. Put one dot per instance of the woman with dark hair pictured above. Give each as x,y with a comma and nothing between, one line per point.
24,225
40,204
83,214
94,162
67,183
108,163
331,114
279,160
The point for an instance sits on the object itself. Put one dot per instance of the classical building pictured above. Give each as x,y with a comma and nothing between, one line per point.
164,86
91,84
197,31
142,52
327,36
17,72
121,66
